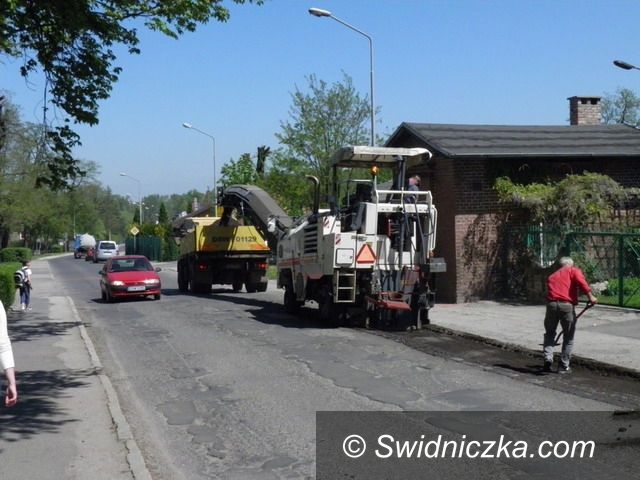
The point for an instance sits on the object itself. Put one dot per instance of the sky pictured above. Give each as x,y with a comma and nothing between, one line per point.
507,62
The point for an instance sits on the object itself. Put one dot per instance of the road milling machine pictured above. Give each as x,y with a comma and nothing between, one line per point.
369,255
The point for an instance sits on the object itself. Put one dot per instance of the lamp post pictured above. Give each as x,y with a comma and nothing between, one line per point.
213,139
318,12
624,65
122,174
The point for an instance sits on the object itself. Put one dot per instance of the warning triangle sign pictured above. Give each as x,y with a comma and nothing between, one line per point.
366,255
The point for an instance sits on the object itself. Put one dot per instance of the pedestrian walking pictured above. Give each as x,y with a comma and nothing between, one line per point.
6,361
563,288
26,287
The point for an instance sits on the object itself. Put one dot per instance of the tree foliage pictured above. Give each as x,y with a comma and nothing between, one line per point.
621,107
72,42
239,172
577,201
45,217
322,119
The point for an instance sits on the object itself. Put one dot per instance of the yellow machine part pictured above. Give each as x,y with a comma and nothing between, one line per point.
209,236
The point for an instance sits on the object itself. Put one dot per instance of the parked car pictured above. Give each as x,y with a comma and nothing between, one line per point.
91,253
105,250
129,276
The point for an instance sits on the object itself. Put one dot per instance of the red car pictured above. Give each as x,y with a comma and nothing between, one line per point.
129,276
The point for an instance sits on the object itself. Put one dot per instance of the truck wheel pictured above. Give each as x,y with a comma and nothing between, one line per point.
200,287
291,304
251,287
237,286
326,307
328,310
183,283
262,286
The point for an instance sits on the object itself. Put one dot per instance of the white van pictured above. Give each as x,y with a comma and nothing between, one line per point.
105,250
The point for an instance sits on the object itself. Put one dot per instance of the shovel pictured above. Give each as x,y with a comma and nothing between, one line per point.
586,307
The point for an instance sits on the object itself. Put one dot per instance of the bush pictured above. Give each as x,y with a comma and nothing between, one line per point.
630,286
7,286
57,249
15,254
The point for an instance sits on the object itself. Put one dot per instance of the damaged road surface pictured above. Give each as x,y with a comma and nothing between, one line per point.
226,385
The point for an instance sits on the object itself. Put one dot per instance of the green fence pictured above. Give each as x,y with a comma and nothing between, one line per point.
610,260
149,246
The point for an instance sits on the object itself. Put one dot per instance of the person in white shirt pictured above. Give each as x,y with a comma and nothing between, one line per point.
6,361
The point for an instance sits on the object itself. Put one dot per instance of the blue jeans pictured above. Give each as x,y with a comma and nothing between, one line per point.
563,313
25,295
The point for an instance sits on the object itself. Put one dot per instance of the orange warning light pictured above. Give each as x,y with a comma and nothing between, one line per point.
374,171
366,255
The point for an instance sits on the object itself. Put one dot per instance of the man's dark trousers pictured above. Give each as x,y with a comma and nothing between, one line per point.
563,313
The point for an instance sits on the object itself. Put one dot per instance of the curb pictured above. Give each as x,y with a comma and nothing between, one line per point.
589,363
135,459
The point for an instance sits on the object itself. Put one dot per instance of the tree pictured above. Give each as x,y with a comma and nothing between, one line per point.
621,107
242,171
322,120
72,42
285,183
261,159
163,217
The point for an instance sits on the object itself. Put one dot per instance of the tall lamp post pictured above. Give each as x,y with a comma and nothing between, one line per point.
625,65
318,12
213,139
122,174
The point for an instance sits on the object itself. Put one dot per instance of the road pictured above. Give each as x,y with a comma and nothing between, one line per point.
225,385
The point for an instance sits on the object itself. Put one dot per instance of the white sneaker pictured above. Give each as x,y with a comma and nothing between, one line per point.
22,307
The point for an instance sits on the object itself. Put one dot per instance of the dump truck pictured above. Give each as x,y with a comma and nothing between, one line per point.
229,249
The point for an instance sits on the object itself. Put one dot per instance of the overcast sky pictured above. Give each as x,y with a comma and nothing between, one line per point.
455,61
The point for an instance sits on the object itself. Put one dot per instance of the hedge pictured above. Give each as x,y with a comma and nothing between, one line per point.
7,285
15,254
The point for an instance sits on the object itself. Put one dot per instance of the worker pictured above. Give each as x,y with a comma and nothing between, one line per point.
563,288
414,183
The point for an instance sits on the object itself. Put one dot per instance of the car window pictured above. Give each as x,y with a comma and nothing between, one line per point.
107,246
131,265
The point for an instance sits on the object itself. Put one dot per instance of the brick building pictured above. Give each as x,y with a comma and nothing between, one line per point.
468,158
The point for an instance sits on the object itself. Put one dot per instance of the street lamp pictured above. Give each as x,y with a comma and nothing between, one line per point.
318,12
215,193
625,65
122,174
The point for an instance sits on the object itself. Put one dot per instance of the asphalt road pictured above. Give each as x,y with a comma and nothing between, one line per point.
226,385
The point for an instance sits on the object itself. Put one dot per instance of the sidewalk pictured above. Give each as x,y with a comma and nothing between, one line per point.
605,336
67,423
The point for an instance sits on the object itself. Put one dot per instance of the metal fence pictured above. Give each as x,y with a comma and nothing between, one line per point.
610,260
149,246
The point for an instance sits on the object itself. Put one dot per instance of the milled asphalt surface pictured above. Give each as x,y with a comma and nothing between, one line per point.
68,423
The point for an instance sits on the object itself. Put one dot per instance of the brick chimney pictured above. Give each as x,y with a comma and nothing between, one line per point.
584,110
